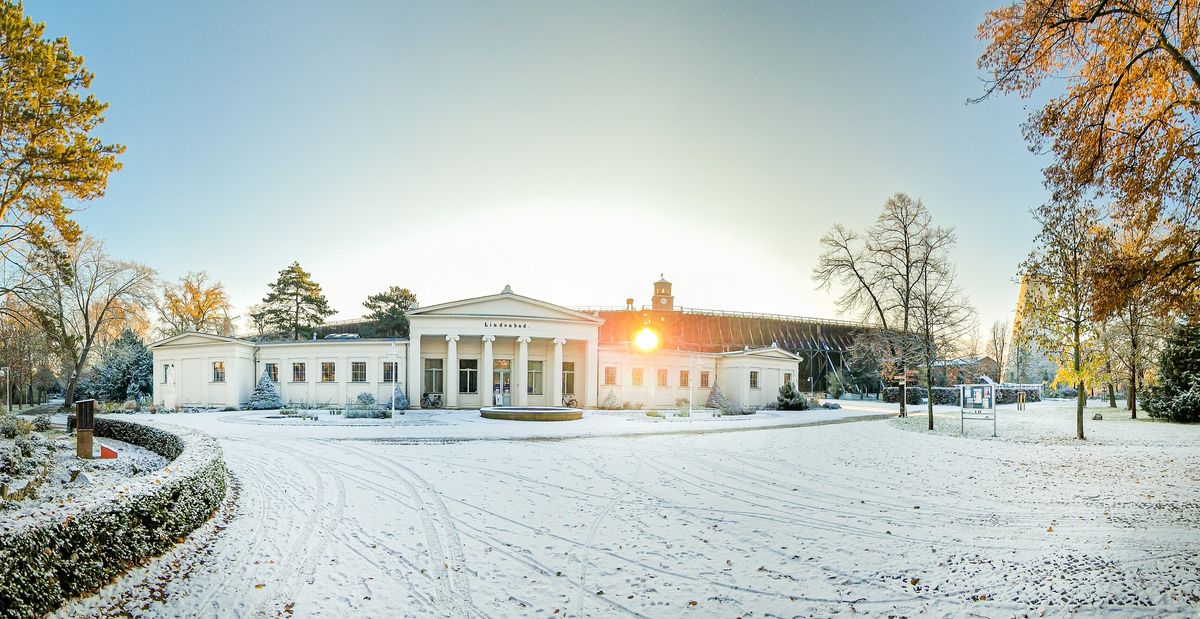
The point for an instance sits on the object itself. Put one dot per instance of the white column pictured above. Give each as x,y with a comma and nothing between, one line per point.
592,373
413,363
485,372
451,374
520,377
556,372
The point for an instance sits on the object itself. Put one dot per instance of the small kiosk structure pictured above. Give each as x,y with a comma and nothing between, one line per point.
977,402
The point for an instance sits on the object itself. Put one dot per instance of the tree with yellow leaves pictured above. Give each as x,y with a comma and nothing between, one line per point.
195,304
50,158
1124,133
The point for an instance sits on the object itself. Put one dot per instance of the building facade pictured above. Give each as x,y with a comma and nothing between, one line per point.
502,349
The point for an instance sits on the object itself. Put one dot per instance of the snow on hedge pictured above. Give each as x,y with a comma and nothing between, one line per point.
51,551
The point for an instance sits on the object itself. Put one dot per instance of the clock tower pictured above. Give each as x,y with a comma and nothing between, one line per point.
662,299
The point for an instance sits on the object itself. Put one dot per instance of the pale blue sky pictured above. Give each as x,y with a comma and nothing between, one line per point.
573,150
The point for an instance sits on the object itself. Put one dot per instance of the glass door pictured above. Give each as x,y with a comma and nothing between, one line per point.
502,382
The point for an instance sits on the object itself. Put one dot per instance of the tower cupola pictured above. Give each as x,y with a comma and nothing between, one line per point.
662,299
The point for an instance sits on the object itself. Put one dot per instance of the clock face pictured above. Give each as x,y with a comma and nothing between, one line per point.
662,301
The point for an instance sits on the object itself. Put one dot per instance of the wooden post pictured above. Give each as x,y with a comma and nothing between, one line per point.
85,423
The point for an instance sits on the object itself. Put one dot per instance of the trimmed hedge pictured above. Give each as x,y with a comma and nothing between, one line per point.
950,395
913,395
72,549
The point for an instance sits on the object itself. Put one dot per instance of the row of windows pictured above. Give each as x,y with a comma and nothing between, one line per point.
662,377
358,372
468,376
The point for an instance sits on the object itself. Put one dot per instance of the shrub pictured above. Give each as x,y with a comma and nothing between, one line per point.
1008,395
361,413
913,395
365,399
129,406
265,396
41,423
789,399
399,397
945,395
1066,392
76,548
8,426
610,402
716,399
835,384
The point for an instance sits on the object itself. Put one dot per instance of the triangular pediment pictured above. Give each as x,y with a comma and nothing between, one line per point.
193,339
504,305
772,352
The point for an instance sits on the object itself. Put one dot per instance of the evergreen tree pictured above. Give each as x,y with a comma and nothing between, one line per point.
401,400
791,400
1178,397
265,396
125,370
388,309
295,304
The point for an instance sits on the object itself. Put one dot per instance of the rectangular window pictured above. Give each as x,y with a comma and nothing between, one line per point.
684,378
610,375
433,376
218,371
568,378
662,378
535,378
637,377
468,375
328,375
704,380
358,371
273,372
167,369
753,379
787,378
389,371
298,375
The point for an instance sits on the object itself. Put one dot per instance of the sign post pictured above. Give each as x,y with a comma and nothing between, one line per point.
85,423
976,402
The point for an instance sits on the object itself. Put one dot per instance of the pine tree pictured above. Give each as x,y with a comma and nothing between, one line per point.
125,371
1178,397
401,400
295,304
790,399
265,396
388,309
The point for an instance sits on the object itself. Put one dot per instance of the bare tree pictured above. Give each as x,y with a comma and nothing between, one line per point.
879,274
942,315
88,298
997,346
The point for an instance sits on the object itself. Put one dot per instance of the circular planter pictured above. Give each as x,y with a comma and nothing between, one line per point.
531,413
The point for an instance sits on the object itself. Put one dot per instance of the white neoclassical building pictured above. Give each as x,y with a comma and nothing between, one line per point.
501,349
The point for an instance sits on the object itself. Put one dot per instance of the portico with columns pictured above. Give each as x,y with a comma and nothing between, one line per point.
502,349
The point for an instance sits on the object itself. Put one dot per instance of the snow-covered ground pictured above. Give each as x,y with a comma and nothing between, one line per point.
663,519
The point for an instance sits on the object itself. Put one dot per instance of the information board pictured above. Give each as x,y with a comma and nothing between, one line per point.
976,402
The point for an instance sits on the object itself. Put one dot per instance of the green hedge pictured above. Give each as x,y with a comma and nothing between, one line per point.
69,550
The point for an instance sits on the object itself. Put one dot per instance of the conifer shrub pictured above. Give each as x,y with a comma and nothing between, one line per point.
1177,397
265,396
790,399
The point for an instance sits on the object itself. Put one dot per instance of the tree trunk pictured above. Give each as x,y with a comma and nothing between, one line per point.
1133,394
1112,395
1081,396
929,381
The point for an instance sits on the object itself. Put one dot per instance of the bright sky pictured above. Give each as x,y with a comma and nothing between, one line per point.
572,150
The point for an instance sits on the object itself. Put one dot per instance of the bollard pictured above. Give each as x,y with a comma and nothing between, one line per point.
85,423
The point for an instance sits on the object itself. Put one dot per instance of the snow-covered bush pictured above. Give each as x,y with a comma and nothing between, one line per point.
265,396
610,402
72,549
945,395
399,397
365,399
41,423
1008,395
1178,396
790,399
716,398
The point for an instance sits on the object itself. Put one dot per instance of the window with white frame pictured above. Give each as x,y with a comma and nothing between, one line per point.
610,375
389,371
273,372
568,383
328,372
754,379
468,375
535,378
684,379
218,373
662,377
358,371
434,375
168,368
704,379
787,378
298,373
637,377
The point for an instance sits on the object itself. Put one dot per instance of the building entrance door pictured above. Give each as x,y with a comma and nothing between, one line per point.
502,382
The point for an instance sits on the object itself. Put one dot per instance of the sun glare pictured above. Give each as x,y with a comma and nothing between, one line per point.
646,339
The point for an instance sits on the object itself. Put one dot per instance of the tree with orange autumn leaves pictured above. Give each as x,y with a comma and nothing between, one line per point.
1124,133
197,304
